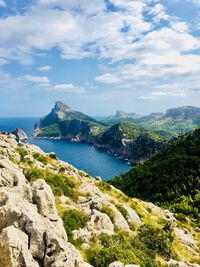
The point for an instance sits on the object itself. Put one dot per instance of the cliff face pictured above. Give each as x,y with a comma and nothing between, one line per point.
122,139
53,215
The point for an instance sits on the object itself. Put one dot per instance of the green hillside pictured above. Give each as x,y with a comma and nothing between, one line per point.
170,179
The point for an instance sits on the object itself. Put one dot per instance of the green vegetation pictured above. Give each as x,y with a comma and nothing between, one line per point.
131,249
52,155
60,184
113,135
22,152
168,127
42,158
171,179
74,220
50,131
107,210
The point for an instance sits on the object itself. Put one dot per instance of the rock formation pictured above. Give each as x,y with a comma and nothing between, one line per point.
32,232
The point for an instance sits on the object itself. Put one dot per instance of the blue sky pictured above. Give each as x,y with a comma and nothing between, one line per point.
98,56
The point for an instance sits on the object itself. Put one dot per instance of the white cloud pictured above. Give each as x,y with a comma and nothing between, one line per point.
45,68
157,95
144,49
68,88
2,3
37,79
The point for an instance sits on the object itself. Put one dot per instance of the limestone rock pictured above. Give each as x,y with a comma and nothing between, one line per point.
44,198
186,240
132,216
20,135
14,249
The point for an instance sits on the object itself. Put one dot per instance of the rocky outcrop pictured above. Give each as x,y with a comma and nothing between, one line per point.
20,135
32,233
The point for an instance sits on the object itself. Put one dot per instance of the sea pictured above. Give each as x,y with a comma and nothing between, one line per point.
81,155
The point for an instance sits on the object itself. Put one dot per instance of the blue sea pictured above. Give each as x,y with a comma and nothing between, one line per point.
80,155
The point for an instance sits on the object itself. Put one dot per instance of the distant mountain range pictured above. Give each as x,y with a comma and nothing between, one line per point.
172,123
122,138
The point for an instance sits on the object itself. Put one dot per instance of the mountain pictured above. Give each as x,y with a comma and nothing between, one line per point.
120,115
174,122
170,179
63,122
130,141
53,215
122,139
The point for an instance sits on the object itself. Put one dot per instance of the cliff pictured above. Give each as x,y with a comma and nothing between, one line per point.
55,215
122,139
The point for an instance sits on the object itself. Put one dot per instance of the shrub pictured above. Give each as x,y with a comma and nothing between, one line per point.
52,155
60,184
22,152
157,240
74,220
107,210
122,247
41,158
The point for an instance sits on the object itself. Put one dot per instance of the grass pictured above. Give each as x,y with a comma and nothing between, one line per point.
74,220
60,184
107,210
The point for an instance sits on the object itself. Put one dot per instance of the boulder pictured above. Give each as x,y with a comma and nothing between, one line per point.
14,249
132,217
44,199
20,135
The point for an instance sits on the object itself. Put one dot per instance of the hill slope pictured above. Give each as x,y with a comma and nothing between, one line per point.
99,223
172,123
63,122
171,178
122,139
130,141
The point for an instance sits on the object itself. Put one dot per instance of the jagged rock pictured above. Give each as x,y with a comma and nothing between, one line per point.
14,249
10,176
44,198
132,217
99,223
20,135
186,240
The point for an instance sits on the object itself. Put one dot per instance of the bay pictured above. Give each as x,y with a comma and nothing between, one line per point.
82,156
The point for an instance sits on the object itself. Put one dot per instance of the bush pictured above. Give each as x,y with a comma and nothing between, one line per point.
157,240
41,158
120,247
74,220
52,155
60,184
22,152
107,210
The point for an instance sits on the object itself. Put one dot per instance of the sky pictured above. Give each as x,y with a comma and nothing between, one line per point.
98,56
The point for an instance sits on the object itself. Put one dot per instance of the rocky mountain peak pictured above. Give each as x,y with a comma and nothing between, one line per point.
60,106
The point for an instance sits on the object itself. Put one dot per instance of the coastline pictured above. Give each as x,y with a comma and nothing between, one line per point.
97,147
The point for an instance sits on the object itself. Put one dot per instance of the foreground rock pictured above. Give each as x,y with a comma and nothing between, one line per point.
32,233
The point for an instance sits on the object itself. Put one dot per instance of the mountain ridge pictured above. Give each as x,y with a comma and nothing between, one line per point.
64,123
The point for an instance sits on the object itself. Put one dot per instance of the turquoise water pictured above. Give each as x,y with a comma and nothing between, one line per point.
80,155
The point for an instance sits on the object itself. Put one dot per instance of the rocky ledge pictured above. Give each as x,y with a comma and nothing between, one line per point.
54,215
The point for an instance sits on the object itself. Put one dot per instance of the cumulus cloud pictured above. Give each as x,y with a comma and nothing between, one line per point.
2,3
139,39
37,79
69,88
45,68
